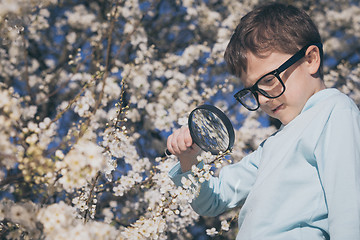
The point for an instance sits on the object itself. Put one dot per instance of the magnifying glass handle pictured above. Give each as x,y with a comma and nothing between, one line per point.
167,152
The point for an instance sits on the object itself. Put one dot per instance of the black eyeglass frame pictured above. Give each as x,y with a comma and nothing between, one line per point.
254,88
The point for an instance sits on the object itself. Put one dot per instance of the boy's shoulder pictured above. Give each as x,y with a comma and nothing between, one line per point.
342,101
321,109
330,98
332,107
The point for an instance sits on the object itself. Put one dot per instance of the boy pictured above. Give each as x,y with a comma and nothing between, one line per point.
303,182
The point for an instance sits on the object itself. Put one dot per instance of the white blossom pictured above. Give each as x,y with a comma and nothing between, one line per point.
211,232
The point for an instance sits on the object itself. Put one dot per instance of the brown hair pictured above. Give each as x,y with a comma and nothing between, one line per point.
271,27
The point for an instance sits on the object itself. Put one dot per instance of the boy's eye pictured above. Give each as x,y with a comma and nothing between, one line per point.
268,80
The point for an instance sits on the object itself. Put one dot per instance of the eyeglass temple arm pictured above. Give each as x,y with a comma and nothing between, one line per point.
298,56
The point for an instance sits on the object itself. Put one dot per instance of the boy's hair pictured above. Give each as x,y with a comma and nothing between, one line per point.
271,27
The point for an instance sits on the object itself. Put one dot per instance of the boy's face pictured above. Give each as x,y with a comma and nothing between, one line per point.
299,81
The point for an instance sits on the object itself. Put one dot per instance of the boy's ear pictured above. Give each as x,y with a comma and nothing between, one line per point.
313,59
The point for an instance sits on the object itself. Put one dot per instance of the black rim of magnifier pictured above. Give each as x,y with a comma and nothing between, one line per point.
224,119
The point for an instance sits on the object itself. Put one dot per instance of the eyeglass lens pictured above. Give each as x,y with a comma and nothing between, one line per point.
269,86
248,99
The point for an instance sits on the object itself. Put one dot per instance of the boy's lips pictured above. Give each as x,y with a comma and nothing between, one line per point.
276,109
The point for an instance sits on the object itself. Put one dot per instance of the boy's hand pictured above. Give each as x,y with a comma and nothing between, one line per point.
181,144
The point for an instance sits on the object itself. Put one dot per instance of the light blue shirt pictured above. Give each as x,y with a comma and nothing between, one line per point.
303,182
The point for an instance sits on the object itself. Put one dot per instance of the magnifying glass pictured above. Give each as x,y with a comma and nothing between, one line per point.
210,129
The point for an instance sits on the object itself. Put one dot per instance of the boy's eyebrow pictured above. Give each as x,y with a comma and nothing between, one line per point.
247,83
264,72
252,82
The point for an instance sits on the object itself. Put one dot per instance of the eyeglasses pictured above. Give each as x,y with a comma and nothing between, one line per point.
270,85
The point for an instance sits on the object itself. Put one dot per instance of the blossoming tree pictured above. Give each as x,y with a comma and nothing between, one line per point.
89,92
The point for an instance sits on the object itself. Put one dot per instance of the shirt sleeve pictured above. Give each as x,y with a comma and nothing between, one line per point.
226,191
338,159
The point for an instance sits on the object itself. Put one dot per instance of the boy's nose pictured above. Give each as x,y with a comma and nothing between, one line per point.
262,99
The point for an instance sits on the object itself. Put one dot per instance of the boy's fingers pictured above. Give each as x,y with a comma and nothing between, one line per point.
171,143
168,144
174,142
187,137
181,139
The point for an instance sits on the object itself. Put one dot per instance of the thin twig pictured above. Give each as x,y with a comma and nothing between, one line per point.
90,196
28,87
105,73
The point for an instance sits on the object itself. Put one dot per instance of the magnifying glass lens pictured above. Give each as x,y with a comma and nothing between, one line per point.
210,129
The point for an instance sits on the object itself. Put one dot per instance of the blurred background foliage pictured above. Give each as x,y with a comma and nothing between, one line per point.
83,79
